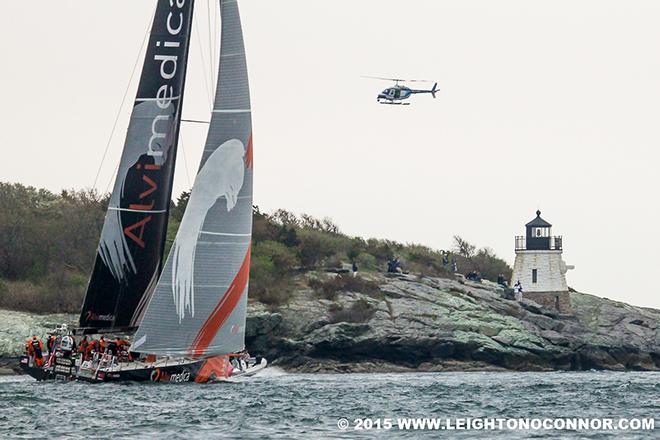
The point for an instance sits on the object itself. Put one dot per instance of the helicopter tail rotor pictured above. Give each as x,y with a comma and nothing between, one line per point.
434,90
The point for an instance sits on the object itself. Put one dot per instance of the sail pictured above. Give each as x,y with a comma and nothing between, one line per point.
199,305
130,252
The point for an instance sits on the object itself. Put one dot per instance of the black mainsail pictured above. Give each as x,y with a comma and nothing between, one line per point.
130,252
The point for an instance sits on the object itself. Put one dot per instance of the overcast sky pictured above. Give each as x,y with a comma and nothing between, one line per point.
550,105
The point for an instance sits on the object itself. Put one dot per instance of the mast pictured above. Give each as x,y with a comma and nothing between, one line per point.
130,252
199,306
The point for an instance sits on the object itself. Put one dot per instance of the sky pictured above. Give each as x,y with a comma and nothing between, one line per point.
542,105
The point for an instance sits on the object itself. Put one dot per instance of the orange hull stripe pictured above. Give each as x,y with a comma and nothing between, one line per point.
224,308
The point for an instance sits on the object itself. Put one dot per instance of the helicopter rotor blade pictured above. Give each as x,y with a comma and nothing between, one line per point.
398,79
384,79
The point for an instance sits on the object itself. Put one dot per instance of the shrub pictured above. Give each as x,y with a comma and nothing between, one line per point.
266,285
314,247
426,262
483,261
270,266
383,250
360,311
265,227
366,261
284,259
60,292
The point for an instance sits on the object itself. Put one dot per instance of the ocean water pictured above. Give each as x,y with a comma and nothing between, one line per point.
279,405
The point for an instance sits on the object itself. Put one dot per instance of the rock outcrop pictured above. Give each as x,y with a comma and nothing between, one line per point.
426,324
433,324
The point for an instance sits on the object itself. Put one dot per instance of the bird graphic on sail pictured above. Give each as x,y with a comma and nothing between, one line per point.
221,176
113,247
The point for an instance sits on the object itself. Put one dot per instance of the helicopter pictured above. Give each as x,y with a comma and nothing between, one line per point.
397,93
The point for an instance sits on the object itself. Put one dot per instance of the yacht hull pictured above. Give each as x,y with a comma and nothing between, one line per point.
214,369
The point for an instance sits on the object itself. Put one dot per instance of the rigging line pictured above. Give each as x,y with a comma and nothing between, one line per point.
216,38
107,187
197,121
208,3
185,160
201,55
123,99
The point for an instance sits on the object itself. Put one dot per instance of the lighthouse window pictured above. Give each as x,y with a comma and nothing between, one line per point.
541,232
534,275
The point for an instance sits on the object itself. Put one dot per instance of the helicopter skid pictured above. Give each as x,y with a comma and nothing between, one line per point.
394,103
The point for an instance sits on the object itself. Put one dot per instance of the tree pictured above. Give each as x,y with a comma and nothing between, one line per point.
463,248
181,204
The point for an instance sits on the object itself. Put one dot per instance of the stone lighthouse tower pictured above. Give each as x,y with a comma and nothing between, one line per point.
540,268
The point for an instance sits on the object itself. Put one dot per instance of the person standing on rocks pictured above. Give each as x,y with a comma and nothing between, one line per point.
518,291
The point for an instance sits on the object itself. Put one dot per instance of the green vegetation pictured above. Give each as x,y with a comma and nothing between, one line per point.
48,243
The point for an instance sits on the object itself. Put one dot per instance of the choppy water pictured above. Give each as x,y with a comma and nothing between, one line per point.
278,405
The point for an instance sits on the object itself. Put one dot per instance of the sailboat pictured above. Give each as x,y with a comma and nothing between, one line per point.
187,313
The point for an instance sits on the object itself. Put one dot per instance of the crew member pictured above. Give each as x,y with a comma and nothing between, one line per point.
122,348
37,350
91,347
67,345
243,360
82,345
102,345
112,348
50,343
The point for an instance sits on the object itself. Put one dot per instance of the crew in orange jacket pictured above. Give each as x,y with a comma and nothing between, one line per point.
82,345
93,345
36,348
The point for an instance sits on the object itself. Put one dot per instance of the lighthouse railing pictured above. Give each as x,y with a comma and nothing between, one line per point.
552,243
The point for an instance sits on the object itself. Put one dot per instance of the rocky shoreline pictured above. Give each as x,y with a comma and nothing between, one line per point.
432,324
423,324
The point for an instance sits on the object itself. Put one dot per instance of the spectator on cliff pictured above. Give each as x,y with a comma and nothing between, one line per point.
518,290
394,265
502,281
354,269
454,266
473,276
445,259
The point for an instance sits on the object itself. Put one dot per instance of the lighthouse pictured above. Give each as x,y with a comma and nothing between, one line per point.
539,266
